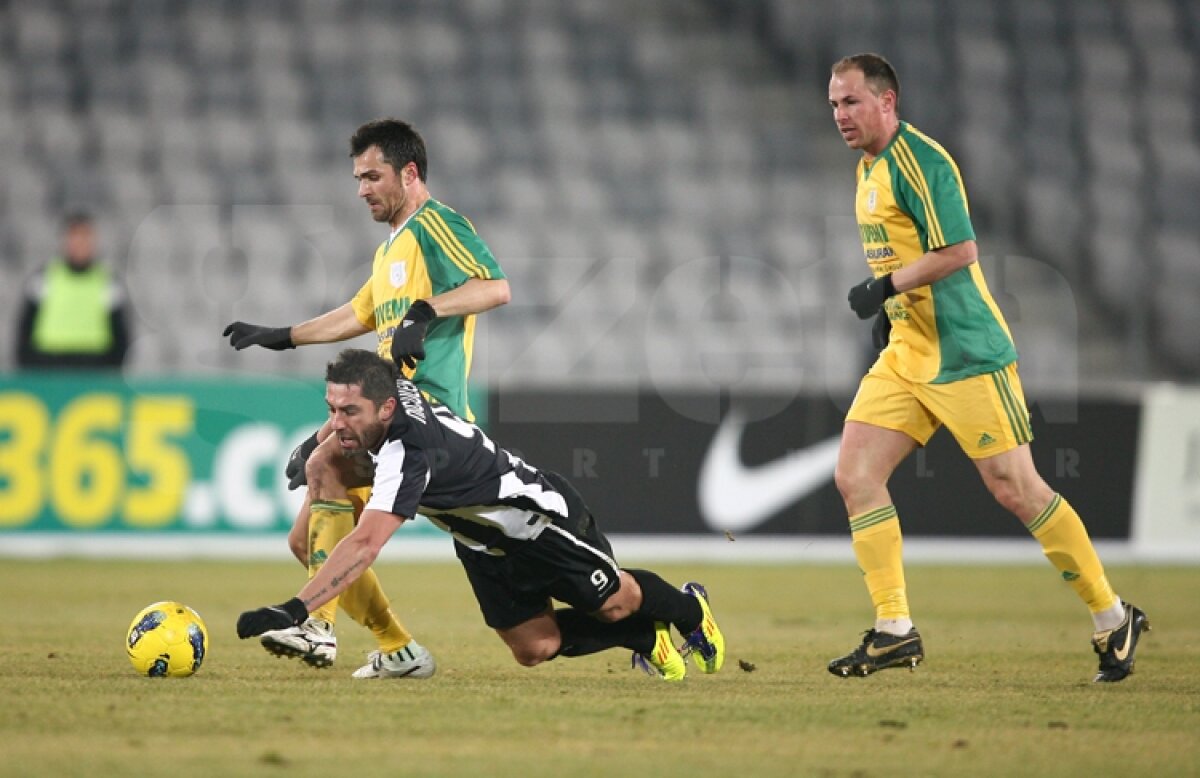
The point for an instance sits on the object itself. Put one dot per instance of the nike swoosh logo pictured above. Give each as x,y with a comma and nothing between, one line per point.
878,652
734,497
1123,651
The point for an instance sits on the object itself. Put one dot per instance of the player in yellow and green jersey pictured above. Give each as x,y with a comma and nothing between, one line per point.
429,279
947,359
433,253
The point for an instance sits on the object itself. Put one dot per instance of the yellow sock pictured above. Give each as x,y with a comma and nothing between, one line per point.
329,522
877,546
366,603
1066,544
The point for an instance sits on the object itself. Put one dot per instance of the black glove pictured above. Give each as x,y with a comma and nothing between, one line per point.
242,335
282,616
881,330
408,341
867,297
295,466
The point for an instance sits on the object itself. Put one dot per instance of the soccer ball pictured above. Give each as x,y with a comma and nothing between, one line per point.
167,639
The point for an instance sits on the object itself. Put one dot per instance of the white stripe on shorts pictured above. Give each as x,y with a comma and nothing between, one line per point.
609,560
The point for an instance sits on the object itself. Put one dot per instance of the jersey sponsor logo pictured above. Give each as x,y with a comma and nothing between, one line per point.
398,274
391,310
734,497
873,233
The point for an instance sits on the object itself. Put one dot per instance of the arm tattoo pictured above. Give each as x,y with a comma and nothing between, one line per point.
333,583
337,579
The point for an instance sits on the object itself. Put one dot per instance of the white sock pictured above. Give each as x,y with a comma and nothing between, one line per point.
895,626
1109,618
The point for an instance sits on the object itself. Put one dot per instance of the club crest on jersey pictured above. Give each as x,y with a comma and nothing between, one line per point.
398,274
872,200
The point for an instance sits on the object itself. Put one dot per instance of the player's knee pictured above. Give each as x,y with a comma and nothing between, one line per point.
1009,492
610,612
527,658
1026,500
533,653
622,603
1007,495
298,544
852,484
298,536
320,472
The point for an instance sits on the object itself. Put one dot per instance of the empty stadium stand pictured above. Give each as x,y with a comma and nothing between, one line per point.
661,181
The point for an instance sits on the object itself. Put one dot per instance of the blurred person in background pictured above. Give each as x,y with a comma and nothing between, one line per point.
947,358
73,312
429,279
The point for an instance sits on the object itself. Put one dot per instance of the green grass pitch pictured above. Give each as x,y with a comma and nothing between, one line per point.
1005,689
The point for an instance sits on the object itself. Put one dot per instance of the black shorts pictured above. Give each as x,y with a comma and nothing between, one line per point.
570,561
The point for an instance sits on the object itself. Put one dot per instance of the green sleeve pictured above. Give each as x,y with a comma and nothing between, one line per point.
930,191
949,200
454,252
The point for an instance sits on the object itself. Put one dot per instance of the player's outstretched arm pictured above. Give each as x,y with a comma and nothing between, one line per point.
339,324
348,560
331,327
282,616
243,335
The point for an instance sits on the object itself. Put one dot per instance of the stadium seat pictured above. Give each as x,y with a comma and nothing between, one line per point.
1177,319
570,131
39,36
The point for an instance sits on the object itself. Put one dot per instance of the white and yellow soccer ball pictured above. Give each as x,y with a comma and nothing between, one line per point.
167,639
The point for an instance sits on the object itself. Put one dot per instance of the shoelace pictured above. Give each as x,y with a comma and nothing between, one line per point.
697,642
639,662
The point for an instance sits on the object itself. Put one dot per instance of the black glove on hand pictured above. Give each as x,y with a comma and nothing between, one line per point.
242,335
867,297
881,330
408,341
295,466
288,614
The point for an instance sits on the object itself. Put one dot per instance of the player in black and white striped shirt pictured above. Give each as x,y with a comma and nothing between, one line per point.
524,536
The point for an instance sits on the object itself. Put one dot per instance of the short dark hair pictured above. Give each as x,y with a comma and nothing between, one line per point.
877,72
399,141
77,219
365,369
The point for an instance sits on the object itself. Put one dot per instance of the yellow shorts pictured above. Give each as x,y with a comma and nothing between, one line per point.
985,413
